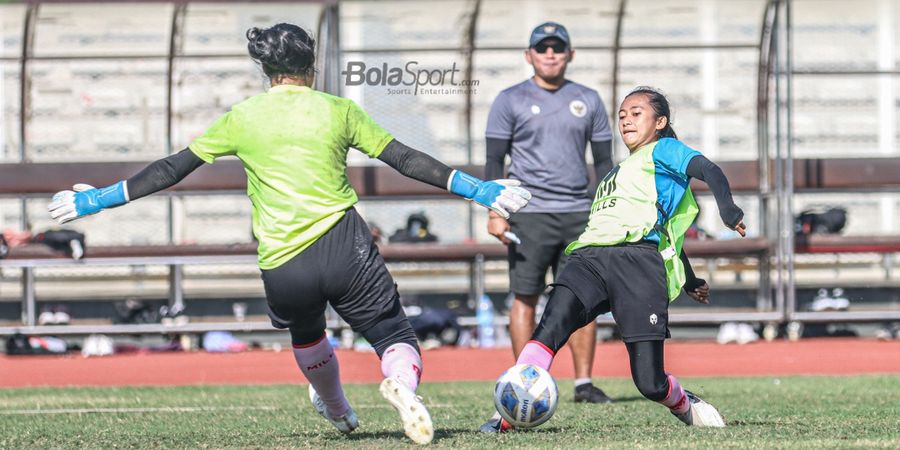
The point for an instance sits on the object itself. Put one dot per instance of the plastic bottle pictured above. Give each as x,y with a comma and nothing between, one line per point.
484,315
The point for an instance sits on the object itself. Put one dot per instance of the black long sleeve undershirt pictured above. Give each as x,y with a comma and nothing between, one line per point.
497,149
415,164
168,171
603,163
691,281
162,173
704,170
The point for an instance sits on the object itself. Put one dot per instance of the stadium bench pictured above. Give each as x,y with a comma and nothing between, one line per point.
30,257
383,182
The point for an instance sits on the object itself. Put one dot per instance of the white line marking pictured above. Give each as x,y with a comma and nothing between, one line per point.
168,409
173,409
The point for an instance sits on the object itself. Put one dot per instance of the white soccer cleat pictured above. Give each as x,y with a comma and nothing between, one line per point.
345,424
415,417
701,414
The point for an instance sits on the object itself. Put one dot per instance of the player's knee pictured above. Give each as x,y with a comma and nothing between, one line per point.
391,328
526,301
306,336
651,387
403,335
563,315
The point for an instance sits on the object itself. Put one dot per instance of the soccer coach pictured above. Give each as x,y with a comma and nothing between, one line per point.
545,123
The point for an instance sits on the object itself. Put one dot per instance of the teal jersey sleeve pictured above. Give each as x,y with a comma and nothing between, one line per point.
670,161
671,156
216,141
363,133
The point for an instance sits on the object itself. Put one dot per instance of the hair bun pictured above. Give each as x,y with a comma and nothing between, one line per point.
282,49
253,33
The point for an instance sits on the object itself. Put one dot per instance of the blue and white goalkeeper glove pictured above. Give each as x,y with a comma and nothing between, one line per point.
501,196
84,200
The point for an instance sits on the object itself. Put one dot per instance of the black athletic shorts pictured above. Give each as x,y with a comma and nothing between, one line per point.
544,239
628,279
342,267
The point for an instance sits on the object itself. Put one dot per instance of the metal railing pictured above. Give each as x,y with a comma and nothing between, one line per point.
776,299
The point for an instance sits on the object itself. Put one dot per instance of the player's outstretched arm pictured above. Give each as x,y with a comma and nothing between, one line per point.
501,196
84,199
704,170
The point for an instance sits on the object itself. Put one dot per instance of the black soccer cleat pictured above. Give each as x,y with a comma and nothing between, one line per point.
588,393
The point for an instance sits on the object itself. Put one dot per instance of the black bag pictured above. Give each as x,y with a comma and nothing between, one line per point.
821,221
17,344
69,241
134,311
416,230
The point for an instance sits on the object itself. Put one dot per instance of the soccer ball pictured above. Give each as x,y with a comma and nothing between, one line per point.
526,395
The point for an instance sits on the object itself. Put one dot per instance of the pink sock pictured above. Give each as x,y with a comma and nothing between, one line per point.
403,362
676,400
537,354
320,365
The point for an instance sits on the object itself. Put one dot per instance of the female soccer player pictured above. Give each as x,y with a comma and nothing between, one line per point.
314,248
629,259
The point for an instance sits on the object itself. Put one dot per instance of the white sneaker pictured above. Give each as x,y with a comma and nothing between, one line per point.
728,332
745,334
345,424
47,318
61,318
416,420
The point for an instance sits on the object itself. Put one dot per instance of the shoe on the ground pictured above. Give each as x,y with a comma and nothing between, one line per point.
728,333
701,414
345,424
746,334
415,417
588,393
496,424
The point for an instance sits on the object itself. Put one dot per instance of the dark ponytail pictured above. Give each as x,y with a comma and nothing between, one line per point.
660,106
284,49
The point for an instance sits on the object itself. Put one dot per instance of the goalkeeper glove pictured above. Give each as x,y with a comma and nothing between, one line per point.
84,200
501,196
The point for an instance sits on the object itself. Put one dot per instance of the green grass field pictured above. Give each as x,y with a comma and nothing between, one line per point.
788,412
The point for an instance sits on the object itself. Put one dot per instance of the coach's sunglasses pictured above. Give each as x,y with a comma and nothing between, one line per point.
558,47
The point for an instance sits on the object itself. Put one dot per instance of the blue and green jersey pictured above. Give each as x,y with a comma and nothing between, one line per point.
646,197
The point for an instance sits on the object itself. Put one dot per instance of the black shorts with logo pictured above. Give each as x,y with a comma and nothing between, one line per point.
627,279
544,237
344,268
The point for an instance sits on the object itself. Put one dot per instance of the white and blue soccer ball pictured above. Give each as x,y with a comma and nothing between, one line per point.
526,395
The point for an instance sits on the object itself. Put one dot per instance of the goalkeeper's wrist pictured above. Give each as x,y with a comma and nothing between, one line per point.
113,195
463,184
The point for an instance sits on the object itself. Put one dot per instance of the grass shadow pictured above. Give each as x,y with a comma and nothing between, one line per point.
439,433
632,398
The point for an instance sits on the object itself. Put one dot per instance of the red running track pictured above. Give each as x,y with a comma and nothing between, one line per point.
690,359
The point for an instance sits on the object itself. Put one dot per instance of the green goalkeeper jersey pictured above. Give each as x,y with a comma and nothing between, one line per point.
293,143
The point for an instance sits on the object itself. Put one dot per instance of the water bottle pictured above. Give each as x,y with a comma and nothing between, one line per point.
484,315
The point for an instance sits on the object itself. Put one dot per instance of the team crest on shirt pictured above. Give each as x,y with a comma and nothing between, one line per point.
653,319
535,109
578,108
